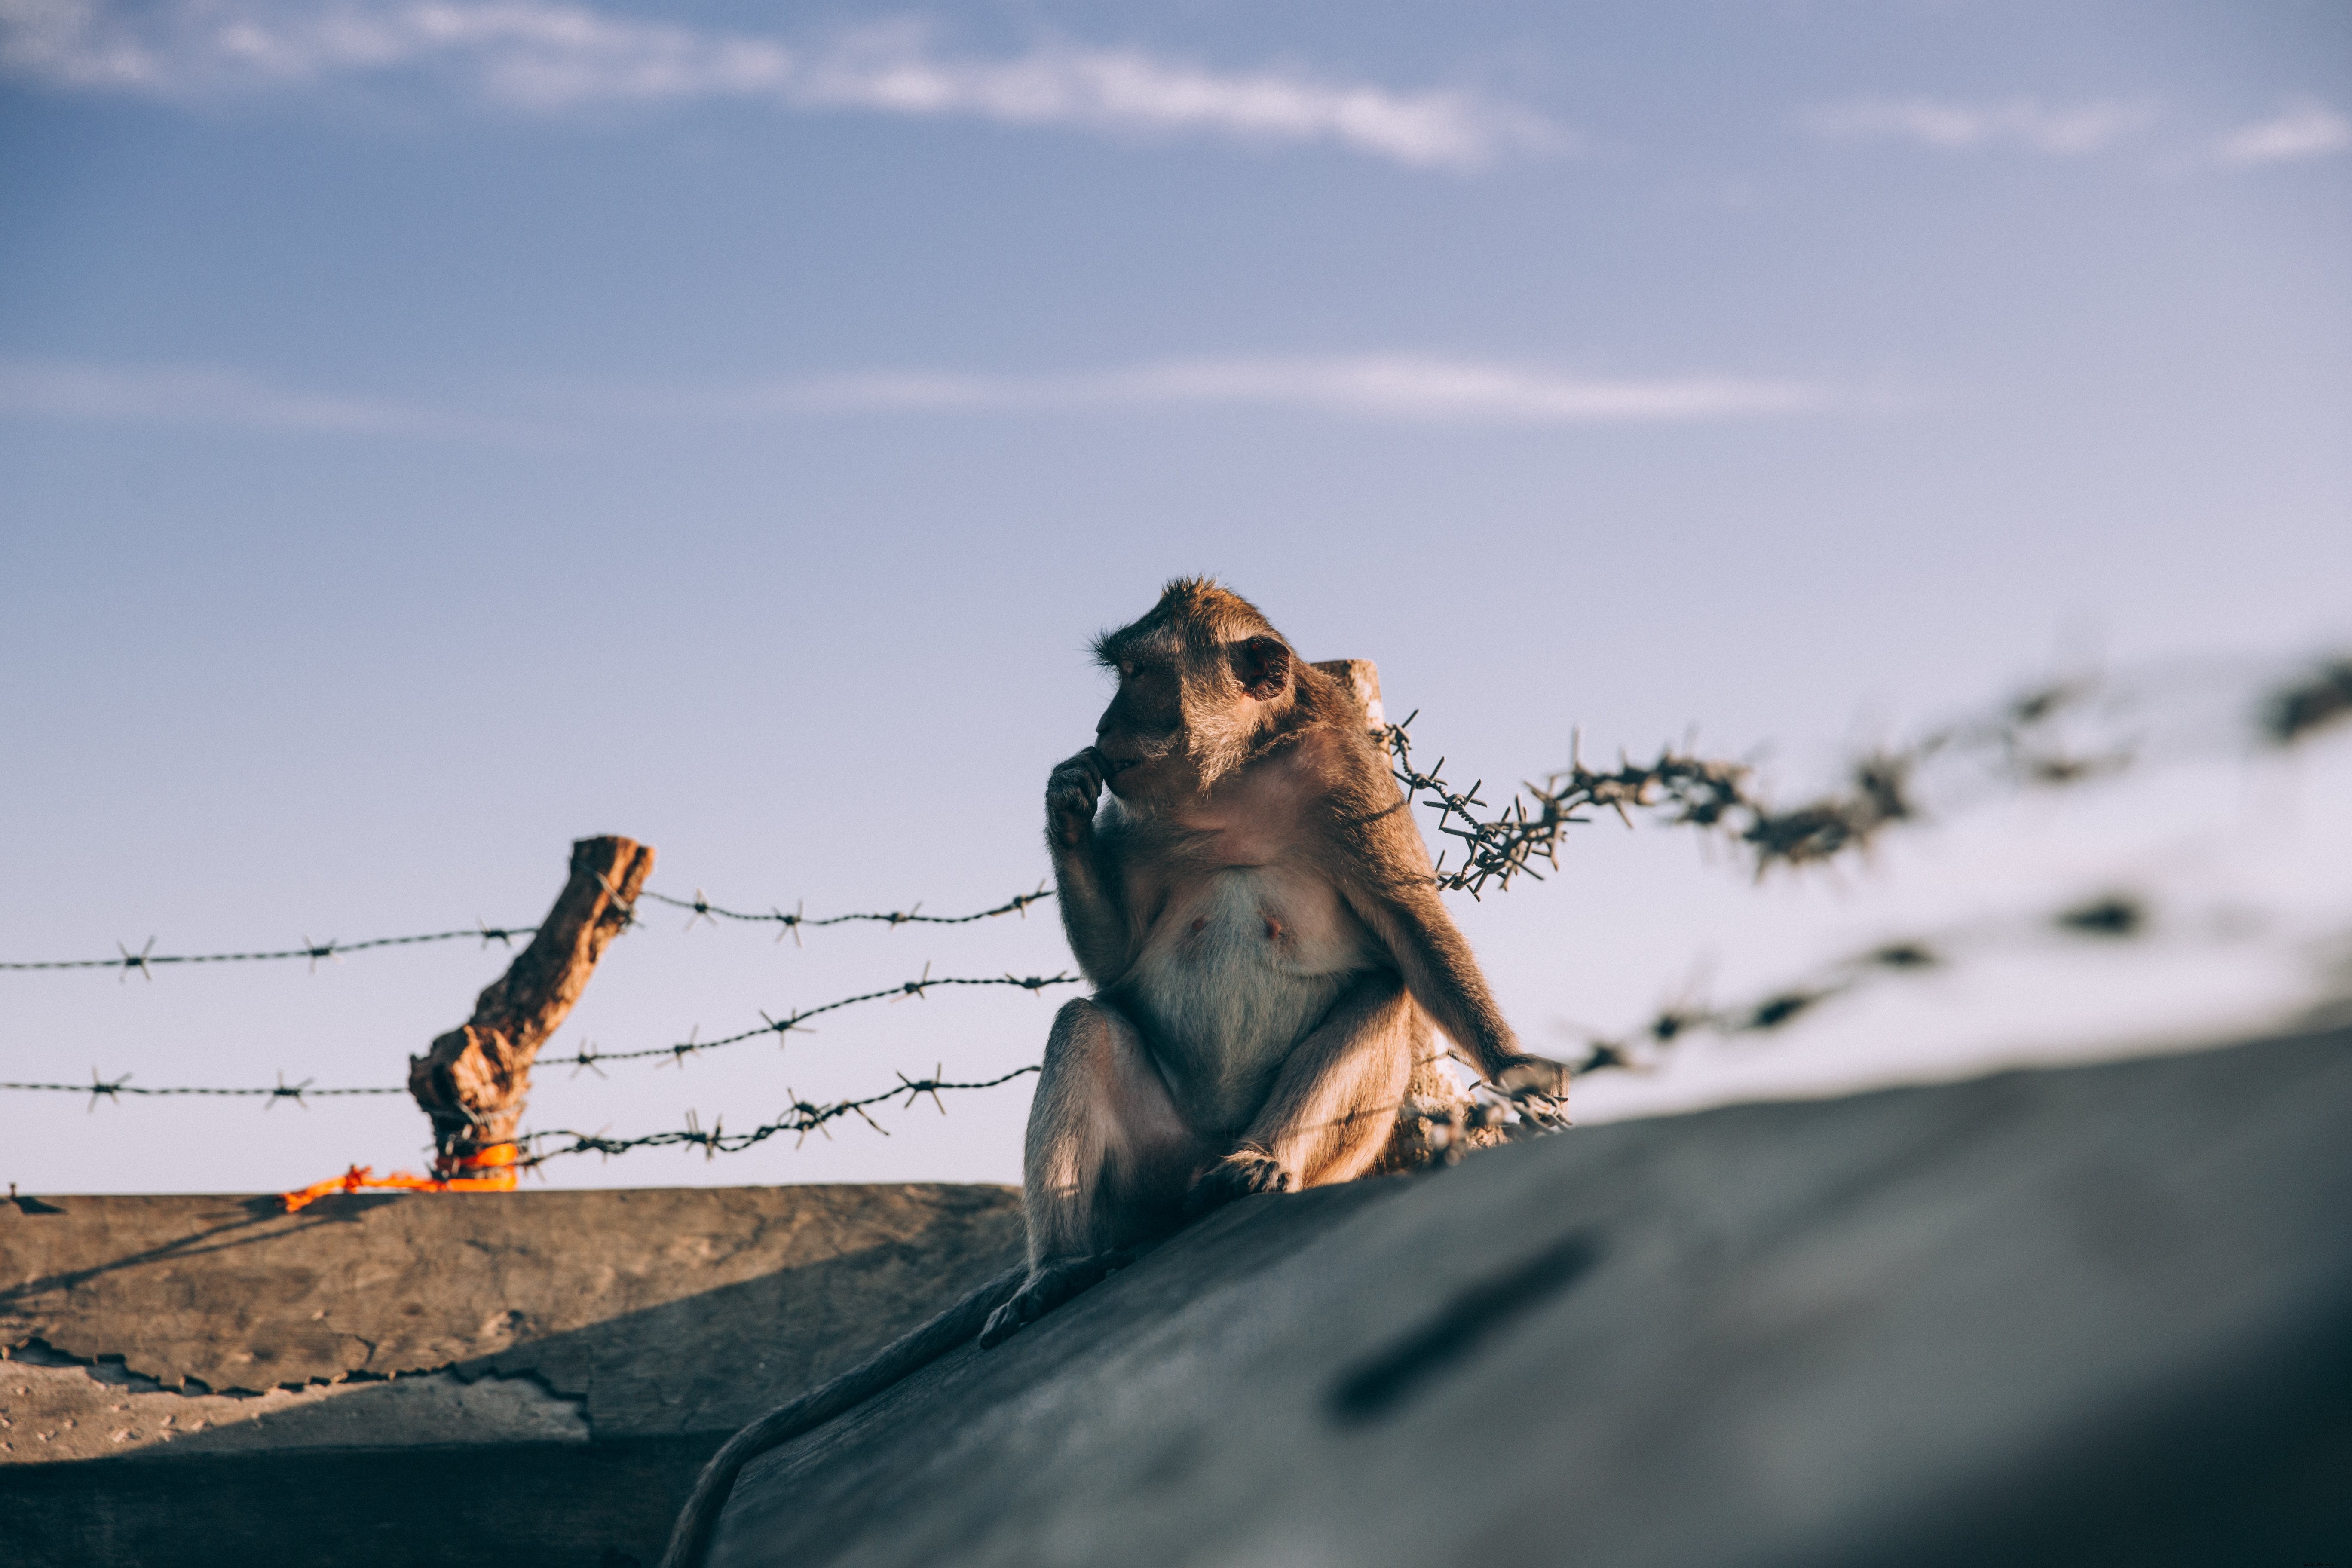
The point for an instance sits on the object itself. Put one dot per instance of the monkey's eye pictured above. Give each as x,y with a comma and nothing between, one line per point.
1127,669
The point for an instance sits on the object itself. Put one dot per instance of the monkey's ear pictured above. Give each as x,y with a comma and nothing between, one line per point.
1263,666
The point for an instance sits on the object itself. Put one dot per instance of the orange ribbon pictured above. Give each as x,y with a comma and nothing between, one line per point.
494,1163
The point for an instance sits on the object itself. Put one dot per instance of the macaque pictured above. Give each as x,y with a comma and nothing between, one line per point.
1259,918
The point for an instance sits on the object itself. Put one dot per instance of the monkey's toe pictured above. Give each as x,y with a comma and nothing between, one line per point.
1051,1285
1237,1175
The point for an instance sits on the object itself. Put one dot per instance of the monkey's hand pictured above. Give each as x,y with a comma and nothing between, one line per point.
1048,1287
1237,1175
1539,1087
1071,795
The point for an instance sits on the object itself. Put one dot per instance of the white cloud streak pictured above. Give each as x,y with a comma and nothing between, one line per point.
1393,388
1414,388
2308,129
212,396
542,57
2071,132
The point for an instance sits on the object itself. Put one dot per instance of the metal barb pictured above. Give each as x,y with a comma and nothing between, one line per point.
98,1086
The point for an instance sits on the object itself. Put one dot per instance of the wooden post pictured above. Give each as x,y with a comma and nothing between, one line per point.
474,1079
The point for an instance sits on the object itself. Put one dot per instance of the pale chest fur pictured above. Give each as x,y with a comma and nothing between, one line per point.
1246,949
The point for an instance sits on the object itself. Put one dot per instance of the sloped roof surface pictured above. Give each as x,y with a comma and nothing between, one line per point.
2101,1314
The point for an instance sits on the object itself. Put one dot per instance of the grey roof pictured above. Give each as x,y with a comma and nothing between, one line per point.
2090,1315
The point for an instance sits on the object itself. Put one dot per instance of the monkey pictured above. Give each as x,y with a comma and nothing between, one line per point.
1259,918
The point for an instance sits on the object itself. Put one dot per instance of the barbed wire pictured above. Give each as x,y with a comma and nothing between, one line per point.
1716,795
801,1118
100,1089
586,1056
2021,741
2107,916
147,957
2321,698
704,910
1692,791
1486,1109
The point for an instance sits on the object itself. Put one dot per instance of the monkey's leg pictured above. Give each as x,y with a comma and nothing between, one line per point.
1106,1164
1334,1104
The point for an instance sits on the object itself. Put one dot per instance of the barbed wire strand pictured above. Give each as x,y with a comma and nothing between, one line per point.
2111,917
2022,734
801,1118
583,1057
588,1057
2021,742
1525,1113
702,909
145,961
99,1088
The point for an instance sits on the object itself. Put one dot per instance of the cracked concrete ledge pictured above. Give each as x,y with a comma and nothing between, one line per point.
59,1410
172,1367
653,1311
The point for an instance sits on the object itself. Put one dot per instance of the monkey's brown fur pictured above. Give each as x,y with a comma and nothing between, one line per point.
1258,915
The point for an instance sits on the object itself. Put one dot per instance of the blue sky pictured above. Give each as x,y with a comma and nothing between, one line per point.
433,431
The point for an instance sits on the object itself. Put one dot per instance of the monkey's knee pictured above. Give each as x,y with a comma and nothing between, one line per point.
1337,1103
1107,1154
1091,1032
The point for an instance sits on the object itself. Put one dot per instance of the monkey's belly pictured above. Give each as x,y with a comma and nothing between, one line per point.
1238,971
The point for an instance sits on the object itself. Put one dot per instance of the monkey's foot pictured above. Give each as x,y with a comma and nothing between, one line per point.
1048,1287
1237,1175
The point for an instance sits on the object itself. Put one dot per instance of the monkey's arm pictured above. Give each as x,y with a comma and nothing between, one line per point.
1393,891
1085,882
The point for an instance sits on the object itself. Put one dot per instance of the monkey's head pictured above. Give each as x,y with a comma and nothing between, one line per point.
1200,677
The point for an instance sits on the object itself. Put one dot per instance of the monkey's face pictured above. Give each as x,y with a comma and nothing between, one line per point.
1178,723
1141,735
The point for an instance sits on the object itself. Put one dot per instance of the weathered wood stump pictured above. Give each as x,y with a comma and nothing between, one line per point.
474,1081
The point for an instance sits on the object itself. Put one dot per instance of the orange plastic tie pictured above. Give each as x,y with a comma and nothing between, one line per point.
495,1163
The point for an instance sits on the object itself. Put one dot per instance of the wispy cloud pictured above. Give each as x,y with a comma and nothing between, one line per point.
211,395
541,57
1394,386
2307,130
2071,131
